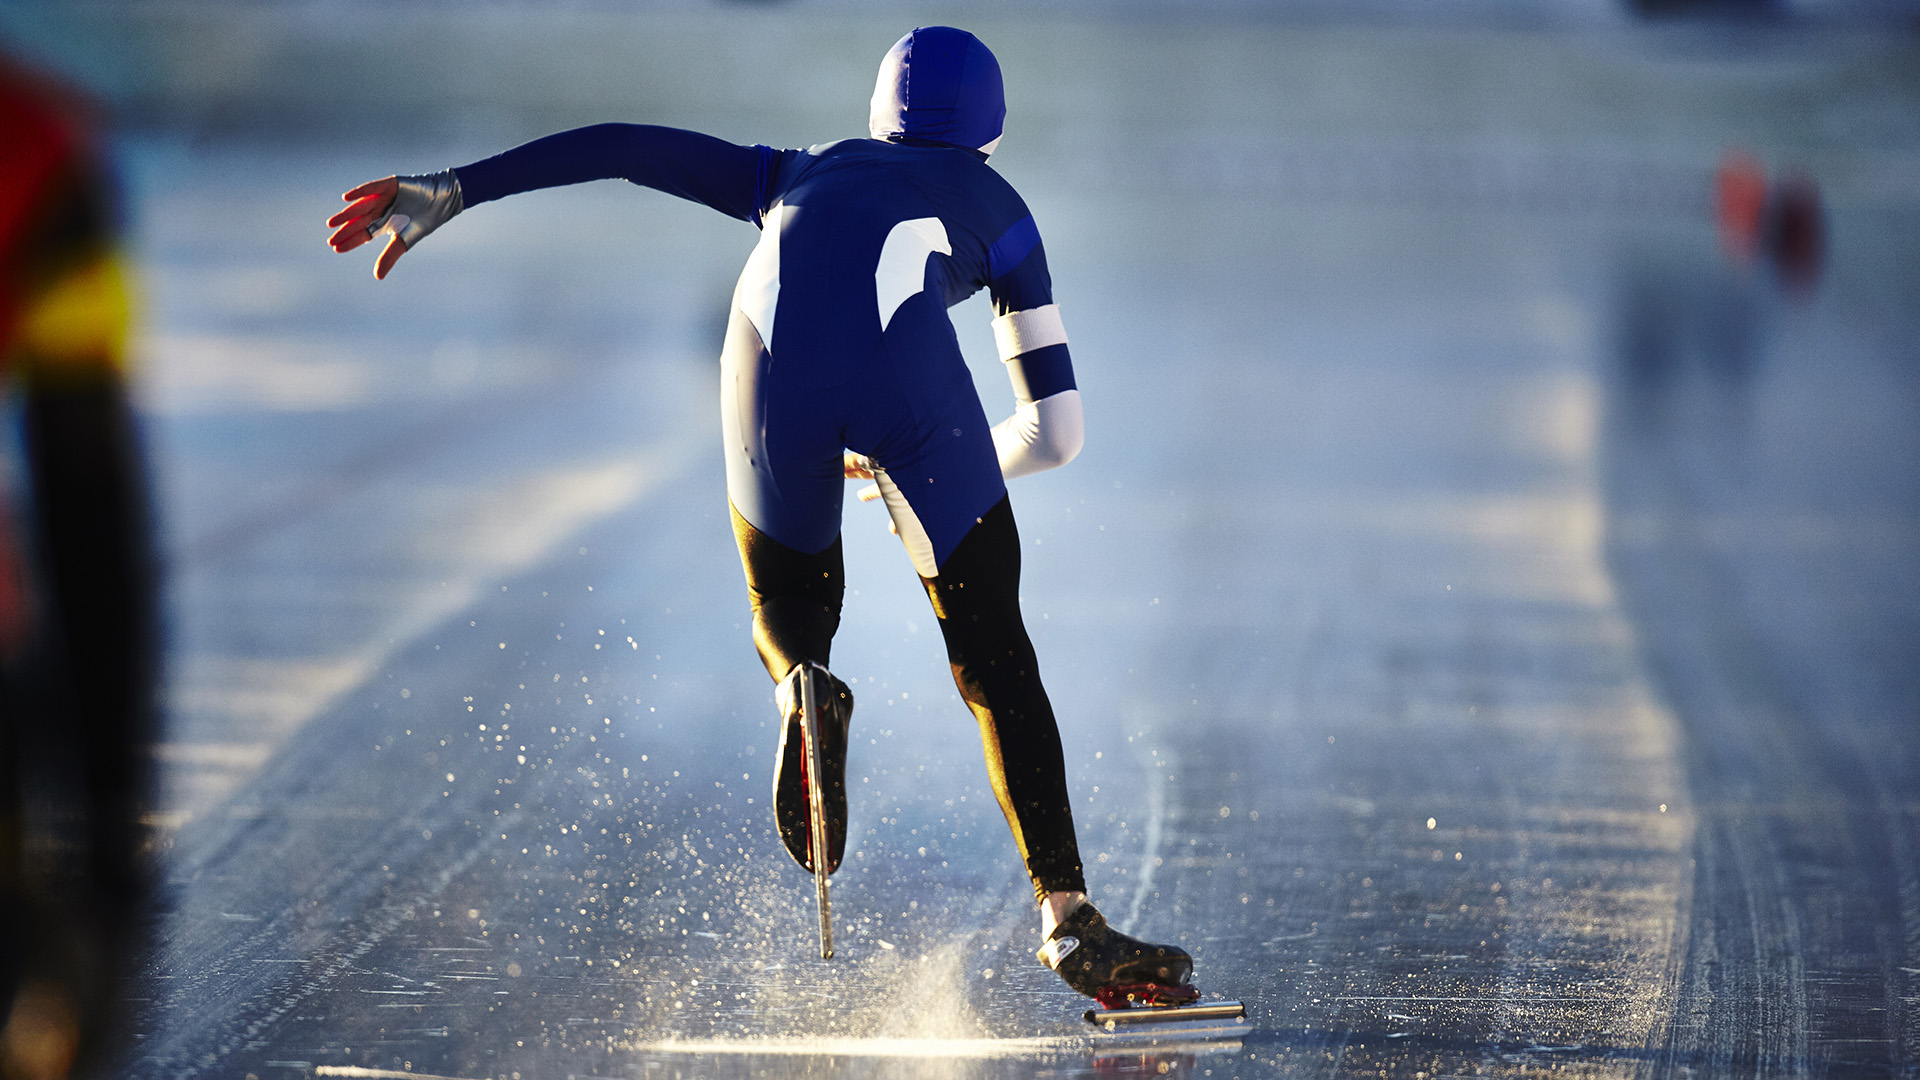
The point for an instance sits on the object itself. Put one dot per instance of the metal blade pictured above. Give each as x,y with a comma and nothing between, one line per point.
816,809
1212,1010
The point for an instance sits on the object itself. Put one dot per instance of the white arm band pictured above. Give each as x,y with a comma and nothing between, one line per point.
1040,435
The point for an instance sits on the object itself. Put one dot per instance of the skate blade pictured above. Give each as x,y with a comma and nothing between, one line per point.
1206,1020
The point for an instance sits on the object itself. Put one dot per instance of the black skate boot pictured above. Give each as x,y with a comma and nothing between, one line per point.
835,703
1116,970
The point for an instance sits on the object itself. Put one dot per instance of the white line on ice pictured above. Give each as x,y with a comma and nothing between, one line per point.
1531,999
377,1073
868,1048
1156,819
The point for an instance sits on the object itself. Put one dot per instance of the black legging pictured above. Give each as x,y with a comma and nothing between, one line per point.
796,601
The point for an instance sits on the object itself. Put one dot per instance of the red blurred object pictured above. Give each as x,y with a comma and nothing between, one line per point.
1740,190
39,130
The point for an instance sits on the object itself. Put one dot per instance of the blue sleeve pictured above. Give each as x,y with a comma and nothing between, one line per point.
735,180
1027,325
1017,270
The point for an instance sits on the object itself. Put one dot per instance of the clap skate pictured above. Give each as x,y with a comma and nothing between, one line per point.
833,704
810,778
1134,981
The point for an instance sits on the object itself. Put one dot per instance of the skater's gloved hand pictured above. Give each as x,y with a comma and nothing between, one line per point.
860,467
407,207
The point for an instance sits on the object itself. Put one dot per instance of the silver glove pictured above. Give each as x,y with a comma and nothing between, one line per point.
423,204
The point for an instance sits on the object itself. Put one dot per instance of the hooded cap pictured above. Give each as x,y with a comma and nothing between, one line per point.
940,85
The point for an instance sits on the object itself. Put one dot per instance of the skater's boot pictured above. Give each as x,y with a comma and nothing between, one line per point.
1117,970
835,703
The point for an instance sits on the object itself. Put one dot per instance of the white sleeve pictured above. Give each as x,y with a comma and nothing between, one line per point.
1040,435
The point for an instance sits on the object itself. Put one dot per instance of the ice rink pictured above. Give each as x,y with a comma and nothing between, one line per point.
1484,622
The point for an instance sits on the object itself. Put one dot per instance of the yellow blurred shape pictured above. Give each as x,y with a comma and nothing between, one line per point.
79,325
41,1036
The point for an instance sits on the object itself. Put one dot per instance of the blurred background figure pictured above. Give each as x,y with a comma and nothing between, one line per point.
1678,308
77,597
1782,225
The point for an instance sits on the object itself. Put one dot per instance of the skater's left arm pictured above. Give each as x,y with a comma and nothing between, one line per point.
1047,428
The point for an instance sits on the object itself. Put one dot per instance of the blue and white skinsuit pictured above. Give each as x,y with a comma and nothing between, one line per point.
839,341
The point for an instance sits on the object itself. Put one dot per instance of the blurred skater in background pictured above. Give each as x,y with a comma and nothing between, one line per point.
840,362
77,600
1781,224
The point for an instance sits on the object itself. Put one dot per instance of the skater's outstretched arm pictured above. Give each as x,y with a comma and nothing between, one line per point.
732,179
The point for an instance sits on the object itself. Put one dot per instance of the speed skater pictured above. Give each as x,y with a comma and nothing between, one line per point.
864,245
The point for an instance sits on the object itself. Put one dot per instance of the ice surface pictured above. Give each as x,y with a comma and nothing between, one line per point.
1424,482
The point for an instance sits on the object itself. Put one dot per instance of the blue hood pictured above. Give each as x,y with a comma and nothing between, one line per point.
939,85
